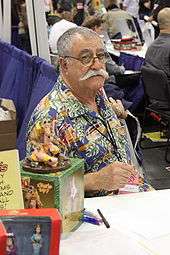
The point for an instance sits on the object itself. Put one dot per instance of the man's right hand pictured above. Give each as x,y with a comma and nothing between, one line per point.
114,176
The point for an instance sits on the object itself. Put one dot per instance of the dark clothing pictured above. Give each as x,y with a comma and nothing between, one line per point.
143,10
161,4
80,14
111,7
158,56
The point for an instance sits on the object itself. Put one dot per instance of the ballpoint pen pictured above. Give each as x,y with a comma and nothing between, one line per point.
90,220
103,219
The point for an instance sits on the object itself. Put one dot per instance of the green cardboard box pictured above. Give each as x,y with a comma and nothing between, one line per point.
63,190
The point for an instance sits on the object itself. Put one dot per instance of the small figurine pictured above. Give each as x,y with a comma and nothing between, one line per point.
11,248
37,240
31,198
42,154
46,156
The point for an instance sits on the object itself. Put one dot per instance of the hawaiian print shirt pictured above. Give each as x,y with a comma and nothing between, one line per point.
98,138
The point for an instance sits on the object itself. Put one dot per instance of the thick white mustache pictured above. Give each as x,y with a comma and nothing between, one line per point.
92,73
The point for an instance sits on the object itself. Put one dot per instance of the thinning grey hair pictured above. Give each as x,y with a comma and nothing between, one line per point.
65,42
164,18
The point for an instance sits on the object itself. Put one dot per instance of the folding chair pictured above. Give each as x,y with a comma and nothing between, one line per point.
157,98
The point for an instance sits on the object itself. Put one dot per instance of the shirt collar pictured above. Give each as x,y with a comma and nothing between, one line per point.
75,108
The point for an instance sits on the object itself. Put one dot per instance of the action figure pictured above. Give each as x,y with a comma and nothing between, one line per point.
37,240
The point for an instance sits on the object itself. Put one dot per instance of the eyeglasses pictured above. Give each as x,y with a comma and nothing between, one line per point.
87,58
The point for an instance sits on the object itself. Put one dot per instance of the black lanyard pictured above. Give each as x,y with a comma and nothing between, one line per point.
111,138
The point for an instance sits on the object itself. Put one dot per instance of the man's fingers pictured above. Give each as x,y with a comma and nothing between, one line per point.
123,165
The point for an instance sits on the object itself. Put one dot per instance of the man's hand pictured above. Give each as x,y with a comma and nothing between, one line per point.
118,108
111,177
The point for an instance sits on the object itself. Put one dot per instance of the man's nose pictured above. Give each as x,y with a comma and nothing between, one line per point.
97,64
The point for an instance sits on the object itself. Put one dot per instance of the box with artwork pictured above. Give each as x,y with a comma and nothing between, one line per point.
10,181
3,239
63,190
35,232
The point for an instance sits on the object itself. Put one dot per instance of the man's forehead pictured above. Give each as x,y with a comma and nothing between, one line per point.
82,43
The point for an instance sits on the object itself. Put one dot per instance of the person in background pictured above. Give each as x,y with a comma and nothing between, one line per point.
158,54
81,116
23,29
111,4
158,6
145,8
48,7
96,24
80,12
65,22
132,7
119,23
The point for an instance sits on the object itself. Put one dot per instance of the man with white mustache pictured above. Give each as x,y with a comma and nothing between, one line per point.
81,116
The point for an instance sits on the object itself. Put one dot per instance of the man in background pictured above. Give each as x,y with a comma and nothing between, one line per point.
158,54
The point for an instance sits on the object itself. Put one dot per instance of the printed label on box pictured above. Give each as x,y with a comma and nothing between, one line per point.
37,194
10,181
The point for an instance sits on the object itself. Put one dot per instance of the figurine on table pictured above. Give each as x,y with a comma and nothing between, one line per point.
37,240
31,198
47,154
11,248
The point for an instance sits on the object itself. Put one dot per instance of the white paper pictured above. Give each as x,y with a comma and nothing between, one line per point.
146,215
101,241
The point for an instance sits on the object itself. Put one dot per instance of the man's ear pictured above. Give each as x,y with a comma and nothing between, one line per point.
63,63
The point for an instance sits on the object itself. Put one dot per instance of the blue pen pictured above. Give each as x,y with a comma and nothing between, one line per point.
90,214
90,220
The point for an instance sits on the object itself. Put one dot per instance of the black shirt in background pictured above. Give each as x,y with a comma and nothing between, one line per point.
161,4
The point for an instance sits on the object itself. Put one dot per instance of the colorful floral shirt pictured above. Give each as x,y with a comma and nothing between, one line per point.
98,138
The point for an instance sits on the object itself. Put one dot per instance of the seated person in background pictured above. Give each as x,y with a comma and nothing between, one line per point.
96,24
145,8
132,7
65,23
81,116
119,23
159,5
158,54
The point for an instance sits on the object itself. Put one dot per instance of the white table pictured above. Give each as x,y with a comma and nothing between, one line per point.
140,225
141,53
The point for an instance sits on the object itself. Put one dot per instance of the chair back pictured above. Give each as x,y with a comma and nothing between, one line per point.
155,84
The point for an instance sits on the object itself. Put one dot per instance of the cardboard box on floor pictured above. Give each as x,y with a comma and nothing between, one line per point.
8,127
10,181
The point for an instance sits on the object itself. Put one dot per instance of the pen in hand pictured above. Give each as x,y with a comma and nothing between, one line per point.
103,219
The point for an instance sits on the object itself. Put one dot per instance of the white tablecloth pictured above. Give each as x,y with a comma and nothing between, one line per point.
139,223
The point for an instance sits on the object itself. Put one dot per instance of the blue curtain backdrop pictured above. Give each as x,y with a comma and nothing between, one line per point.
16,79
44,78
25,80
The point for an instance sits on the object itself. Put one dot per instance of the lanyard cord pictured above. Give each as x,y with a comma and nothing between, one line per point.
110,134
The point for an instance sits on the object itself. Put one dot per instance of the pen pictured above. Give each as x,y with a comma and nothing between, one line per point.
90,214
103,219
90,220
